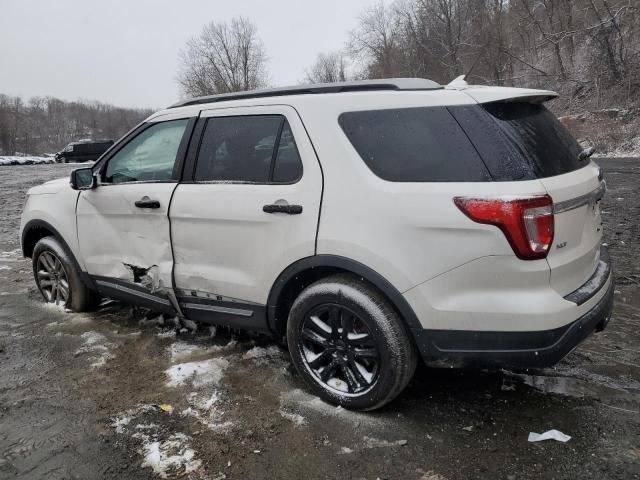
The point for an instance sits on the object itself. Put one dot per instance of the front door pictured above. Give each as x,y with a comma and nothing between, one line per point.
123,224
249,210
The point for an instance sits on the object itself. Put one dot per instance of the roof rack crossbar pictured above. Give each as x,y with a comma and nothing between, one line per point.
337,87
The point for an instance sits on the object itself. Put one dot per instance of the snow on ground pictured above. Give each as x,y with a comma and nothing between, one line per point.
95,347
629,148
206,410
263,355
204,373
173,456
26,160
297,400
11,255
182,350
371,442
297,419
167,454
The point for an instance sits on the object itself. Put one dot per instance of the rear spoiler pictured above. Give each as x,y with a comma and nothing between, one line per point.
483,94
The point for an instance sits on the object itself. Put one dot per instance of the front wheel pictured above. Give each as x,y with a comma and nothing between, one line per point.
349,344
58,279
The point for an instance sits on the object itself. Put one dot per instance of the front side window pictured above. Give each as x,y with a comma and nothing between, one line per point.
251,148
150,156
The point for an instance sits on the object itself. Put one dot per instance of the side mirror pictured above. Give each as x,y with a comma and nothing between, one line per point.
83,179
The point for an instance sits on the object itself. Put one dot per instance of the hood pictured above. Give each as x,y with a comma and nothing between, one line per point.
52,186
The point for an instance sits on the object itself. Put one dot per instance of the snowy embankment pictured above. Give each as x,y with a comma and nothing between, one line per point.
26,160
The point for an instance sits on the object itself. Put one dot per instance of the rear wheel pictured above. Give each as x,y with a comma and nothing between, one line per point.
58,279
349,344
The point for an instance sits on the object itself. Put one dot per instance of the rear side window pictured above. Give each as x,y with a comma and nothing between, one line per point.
518,140
250,148
423,144
287,166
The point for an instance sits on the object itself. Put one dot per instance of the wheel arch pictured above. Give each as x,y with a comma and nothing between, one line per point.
305,271
35,230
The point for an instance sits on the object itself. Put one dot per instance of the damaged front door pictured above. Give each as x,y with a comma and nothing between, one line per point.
123,225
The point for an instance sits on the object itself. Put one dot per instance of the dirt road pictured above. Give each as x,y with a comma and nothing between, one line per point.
104,395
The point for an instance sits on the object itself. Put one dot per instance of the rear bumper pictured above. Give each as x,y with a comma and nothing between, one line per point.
513,349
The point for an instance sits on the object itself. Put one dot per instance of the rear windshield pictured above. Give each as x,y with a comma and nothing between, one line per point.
519,141
468,143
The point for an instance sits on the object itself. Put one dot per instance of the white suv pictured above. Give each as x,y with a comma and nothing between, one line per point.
370,222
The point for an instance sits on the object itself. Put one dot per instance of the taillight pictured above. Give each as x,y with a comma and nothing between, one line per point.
526,222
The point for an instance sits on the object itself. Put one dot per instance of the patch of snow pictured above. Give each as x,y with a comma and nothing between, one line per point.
121,422
26,159
96,347
207,411
297,419
263,355
181,350
173,456
371,442
297,400
629,148
345,451
59,306
203,373
167,334
5,267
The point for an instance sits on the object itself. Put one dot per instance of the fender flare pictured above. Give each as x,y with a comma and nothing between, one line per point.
346,264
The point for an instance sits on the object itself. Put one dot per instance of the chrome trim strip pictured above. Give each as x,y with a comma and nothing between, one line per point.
185,294
588,198
131,291
596,281
214,308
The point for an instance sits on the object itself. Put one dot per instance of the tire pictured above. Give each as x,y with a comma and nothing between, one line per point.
367,360
52,263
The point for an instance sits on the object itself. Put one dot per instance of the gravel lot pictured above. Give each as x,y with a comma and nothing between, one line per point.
105,395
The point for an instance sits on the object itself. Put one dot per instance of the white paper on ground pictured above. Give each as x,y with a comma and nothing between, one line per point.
549,435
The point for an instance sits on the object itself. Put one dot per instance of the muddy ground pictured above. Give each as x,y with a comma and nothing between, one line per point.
104,395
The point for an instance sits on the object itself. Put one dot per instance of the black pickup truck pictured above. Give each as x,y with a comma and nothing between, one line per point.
83,151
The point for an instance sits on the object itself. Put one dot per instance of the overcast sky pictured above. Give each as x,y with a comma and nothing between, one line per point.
125,52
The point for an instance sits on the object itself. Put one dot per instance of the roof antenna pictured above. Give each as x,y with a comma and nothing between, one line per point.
458,82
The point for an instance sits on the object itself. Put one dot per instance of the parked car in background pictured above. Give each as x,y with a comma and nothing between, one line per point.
370,223
83,151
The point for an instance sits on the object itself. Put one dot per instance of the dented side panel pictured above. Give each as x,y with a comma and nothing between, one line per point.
119,240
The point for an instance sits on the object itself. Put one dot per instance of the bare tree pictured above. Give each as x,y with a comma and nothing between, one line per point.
329,67
225,57
377,39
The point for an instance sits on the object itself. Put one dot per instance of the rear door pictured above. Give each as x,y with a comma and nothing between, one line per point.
249,210
123,223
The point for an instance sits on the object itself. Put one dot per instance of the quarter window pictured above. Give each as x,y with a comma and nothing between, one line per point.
150,156
423,144
251,148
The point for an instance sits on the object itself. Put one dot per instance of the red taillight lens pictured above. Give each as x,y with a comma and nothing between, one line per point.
526,222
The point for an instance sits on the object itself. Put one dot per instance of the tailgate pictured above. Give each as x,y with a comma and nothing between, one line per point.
575,252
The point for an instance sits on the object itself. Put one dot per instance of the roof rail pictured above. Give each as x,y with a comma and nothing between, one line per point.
337,87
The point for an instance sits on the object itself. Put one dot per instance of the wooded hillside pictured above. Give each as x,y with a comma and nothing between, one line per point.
47,124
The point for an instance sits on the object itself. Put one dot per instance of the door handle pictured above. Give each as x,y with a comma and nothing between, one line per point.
285,208
146,202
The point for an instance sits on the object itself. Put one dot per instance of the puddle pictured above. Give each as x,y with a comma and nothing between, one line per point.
568,386
582,385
